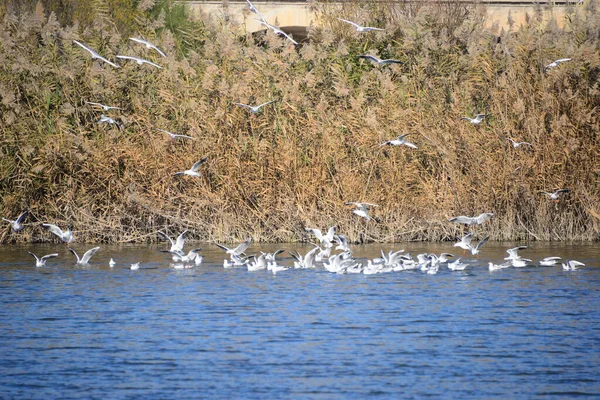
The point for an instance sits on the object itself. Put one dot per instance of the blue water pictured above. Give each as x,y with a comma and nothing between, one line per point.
72,332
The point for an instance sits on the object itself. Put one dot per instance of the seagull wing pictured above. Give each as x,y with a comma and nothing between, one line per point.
242,247
88,254
36,257
467,239
267,103
411,145
92,52
198,164
401,137
179,243
108,62
76,255
165,235
573,263
551,259
54,229
462,220
350,22
21,217
370,57
243,105
227,249
150,63
562,191
47,256
331,233
317,232
482,242
481,218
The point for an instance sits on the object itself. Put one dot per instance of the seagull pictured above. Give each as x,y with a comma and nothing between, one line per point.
148,45
475,249
65,236
465,242
177,244
194,170
41,262
399,142
236,251
512,253
277,31
254,10
108,120
549,261
475,121
274,268
496,267
135,266
175,136
342,243
379,61
95,55
457,265
17,224
520,262
140,61
271,256
105,107
325,240
362,209
308,261
255,109
480,219
86,257
360,28
572,265
554,195
556,63
518,144
111,263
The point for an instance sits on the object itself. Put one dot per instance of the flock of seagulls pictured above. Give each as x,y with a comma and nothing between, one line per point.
340,263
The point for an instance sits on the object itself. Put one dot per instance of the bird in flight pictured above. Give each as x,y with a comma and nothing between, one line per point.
86,256
17,224
108,120
40,262
148,45
362,209
476,249
477,120
518,144
554,195
255,109
277,31
194,170
556,63
65,236
379,61
104,107
399,141
175,136
360,28
140,61
480,219
95,55
236,251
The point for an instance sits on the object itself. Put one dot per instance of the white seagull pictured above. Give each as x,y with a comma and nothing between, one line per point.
556,63
255,109
512,253
480,219
399,141
148,45
325,240
518,144
111,263
177,244
549,261
475,249
362,209
308,261
95,55
41,262
65,236
254,10
17,224
457,266
175,136
194,170
107,120
135,266
477,120
277,31
554,195
104,107
379,61
465,242
86,256
140,61
360,28
496,267
236,251
571,265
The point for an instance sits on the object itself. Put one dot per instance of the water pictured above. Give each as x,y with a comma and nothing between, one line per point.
74,332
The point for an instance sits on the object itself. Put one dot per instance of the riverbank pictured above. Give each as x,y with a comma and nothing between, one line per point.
294,165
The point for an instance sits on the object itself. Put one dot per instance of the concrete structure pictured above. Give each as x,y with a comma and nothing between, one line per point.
296,16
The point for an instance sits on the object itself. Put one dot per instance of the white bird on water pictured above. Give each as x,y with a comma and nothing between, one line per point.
112,263
554,195
86,256
175,136
148,45
95,55
556,63
308,261
496,267
571,265
518,144
103,106
236,251
16,224
465,242
177,244
135,266
325,240
65,236
476,249
513,253
379,61
457,265
362,209
277,31
140,61
399,141
360,28
549,261
194,170
41,262
480,219
255,109
520,262
477,120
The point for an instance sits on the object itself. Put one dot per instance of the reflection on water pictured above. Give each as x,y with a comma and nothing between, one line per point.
96,332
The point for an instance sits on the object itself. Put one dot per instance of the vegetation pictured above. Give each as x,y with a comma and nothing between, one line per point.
295,164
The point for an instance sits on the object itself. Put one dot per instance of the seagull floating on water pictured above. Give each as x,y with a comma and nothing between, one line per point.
399,141
554,195
571,265
17,224
477,120
95,55
379,61
104,107
457,265
480,219
148,45
362,209
360,28
41,262
86,256
65,236
255,109
550,261
194,170
111,263
556,63
277,31
175,136
496,267
135,266
140,61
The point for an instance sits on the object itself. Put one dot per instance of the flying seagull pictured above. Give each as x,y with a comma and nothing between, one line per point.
95,55
65,236
41,262
325,240
254,10
148,45
379,60
255,109
477,120
86,256
399,141
236,251
175,136
360,28
194,170
465,242
17,224
362,209
107,120
140,61
177,244
105,107
480,219
518,144
556,63
554,195
475,249
277,31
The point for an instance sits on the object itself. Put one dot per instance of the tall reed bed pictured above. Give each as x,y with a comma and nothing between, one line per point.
295,164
